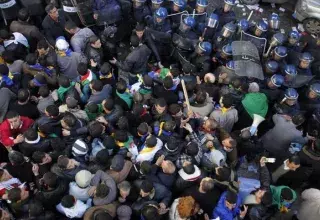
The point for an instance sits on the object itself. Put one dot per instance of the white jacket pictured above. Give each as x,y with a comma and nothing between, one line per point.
144,154
79,193
77,211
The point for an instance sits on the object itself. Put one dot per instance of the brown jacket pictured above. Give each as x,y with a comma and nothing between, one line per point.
122,175
110,209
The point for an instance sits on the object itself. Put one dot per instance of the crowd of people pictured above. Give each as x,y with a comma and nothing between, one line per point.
146,115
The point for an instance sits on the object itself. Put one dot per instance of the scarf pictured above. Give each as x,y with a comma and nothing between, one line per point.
146,150
87,78
101,76
144,90
126,97
159,130
7,79
65,53
62,91
125,144
163,73
224,110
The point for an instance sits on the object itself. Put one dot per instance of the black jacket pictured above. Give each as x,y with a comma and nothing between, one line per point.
148,40
170,96
94,54
114,115
136,62
28,149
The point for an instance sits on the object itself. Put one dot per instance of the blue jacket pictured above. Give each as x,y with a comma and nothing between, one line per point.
223,212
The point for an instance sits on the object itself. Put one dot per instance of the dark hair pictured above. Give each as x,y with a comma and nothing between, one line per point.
31,59
169,125
44,91
109,142
134,40
52,110
192,149
140,26
151,141
35,209
147,80
167,82
92,107
63,162
286,194
224,174
82,69
97,85
50,179
37,156
14,194
31,134
101,215
121,135
143,128
175,72
93,39
237,82
121,86
227,100
231,197
95,129
146,186
58,144
145,167
108,104
8,56
68,201
16,157
102,191
64,81
266,200
161,102
294,159
123,123
42,44
137,109
23,95
23,14
70,25
298,119
4,34
102,157
69,119
49,7
150,213
12,114
201,96
105,68
174,109
189,169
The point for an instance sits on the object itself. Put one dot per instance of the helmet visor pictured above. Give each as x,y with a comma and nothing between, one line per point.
212,23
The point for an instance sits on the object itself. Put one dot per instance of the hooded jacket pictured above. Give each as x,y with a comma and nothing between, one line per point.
255,103
223,212
276,195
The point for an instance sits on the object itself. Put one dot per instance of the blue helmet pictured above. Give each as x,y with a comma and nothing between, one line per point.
291,93
279,37
157,2
202,3
227,49
213,20
272,65
230,65
189,21
206,47
243,24
180,3
294,35
306,56
281,51
274,21
290,69
263,26
161,13
315,87
230,2
277,80
230,27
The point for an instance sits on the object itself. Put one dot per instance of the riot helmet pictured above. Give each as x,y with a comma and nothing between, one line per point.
291,94
228,30
155,4
305,60
290,73
277,80
138,3
274,21
201,6
160,14
280,52
230,65
187,24
204,48
243,25
261,27
293,37
314,91
213,20
228,4
227,50
179,5
271,66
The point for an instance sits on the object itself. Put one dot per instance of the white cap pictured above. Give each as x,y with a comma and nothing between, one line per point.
83,178
62,44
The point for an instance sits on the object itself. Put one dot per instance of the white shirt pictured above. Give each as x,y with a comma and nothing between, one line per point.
77,211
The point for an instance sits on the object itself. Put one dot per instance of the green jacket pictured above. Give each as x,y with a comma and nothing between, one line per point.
276,195
255,103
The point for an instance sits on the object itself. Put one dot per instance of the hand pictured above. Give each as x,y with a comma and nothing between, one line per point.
92,191
65,132
35,99
5,196
201,39
198,80
206,217
244,212
102,120
129,154
93,63
121,200
209,137
188,127
3,164
95,16
19,139
263,161
160,65
77,86
214,59
35,169
160,160
163,209
113,61
287,117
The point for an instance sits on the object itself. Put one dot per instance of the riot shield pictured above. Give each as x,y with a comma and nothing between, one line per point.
85,12
260,43
159,36
298,81
230,74
185,63
183,43
246,60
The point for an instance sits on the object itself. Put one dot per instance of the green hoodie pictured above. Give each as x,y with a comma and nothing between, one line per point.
94,115
126,97
276,195
63,90
255,103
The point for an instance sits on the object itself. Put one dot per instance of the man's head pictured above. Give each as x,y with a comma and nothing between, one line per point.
229,144
96,85
206,184
66,164
286,195
70,27
146,188
40,157
42,47
14,119
68,121
168,167
95,42
134,40
210,124
23,96
231,200
52,111
49,180
16,157
140,28
23,14
293,163
223,173
160,105
17,194
108,105
52,11
226,100
121,86
68,201
102,191
124,188
31,136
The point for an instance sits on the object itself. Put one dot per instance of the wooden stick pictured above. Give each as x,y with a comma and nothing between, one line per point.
185,94
250,15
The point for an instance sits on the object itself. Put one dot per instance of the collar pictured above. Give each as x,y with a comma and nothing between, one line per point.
169,149
285,165
33,142
190,177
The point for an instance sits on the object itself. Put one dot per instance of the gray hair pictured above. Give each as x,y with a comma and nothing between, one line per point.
124,185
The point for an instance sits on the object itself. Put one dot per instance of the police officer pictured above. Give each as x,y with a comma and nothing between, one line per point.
271,88
260,29
226,13
274,24
141,12
155,4
210,28
271,67
243,25
186,28
279,54
175,11
293,43
304,64
310,99
201,59
288,105
223,57
224,36
201,16
290,72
